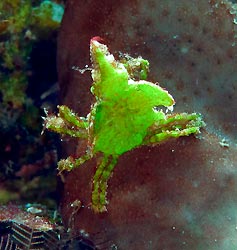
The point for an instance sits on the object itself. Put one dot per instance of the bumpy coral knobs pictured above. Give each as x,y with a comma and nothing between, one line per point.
127,114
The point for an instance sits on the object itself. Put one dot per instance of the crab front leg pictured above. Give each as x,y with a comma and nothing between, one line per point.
100,179
174,126
66,122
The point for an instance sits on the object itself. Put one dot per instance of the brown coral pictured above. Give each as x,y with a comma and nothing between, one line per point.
176,196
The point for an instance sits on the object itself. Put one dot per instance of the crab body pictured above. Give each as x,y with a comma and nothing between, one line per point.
124,109
126,114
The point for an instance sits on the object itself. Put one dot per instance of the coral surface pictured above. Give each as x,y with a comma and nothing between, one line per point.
181,195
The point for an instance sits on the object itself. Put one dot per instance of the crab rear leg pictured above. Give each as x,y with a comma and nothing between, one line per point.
100,180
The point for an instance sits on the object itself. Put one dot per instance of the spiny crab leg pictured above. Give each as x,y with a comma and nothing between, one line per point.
173,127
100,180
70,163
73,119
66,122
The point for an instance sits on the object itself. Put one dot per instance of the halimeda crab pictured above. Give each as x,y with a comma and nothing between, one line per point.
127,113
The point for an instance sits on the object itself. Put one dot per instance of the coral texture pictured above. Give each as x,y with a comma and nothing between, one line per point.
180,195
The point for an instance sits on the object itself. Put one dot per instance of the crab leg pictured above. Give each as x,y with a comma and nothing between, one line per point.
67,122
71,118
100,180
69,163
173,127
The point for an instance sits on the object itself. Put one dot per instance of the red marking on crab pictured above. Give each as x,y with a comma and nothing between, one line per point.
98,39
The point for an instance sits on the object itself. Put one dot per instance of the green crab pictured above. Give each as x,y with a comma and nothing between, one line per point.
127,113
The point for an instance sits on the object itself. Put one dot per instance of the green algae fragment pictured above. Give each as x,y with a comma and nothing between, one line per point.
127,114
